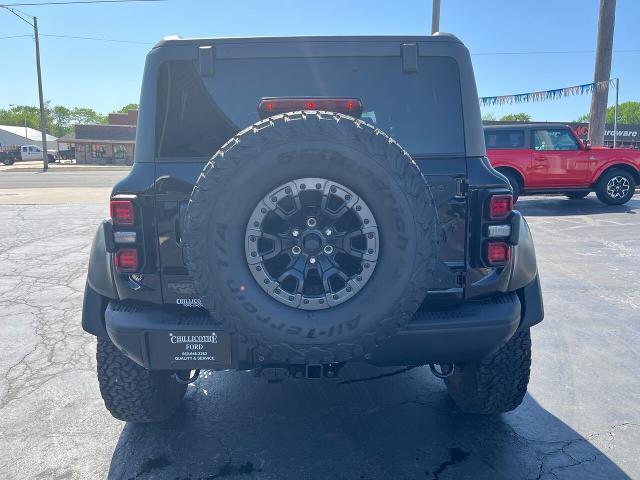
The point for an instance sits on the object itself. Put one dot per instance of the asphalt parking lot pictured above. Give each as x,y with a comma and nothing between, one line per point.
580,419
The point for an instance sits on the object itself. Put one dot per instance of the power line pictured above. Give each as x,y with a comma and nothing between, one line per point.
98,39
15,12
77,37
15,36
139,42
74,2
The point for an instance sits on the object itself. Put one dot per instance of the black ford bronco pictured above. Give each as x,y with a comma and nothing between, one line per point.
299,203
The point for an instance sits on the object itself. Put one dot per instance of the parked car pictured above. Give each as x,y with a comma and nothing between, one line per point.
67,154
551,158
26,152
299,203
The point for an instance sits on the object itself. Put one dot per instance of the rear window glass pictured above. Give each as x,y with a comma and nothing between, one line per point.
504,139
421,110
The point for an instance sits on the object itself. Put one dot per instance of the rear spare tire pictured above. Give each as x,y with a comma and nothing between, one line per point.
312,235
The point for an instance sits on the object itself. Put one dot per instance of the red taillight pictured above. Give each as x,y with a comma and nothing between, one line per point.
272,106
498,253
126,260
122,212
500,206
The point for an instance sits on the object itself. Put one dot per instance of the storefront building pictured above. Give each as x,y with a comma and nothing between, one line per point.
627,135
113,143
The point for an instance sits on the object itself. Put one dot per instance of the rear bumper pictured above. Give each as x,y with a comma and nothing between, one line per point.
178,338
469,330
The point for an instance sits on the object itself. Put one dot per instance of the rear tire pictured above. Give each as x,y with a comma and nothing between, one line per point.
579,195
7,161
616,187
496,384
515,185
133,393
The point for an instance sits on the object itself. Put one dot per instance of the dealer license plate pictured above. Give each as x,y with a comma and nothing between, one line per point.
188,350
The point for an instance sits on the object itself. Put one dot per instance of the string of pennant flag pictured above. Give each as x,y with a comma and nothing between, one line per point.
546,94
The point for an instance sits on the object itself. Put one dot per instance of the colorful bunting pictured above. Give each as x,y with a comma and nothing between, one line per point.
545,94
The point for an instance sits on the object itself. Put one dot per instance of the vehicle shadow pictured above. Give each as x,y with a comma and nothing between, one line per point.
559,206
400,426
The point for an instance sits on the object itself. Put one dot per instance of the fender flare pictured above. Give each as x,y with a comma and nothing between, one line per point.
100,287
621,163
524,276
524,267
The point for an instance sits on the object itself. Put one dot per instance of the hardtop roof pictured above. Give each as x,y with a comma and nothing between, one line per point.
440,37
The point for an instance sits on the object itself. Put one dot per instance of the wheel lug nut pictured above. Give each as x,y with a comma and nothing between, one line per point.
328,249
312,260
328,232
295,232
311,222
296,250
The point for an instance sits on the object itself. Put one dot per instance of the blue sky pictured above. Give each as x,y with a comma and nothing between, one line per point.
107,75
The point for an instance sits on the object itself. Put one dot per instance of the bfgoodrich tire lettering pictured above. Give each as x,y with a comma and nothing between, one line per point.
311,145
133,393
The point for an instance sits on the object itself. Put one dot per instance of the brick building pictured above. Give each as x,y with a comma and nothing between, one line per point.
113,143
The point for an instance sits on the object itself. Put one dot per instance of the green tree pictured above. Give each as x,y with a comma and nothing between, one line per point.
19,114
129,106
516,117
87,115
60,123
488,117
628,112
60,119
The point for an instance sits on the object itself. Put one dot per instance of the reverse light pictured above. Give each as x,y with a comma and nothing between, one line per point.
126,260
498,253
274,105
494,231
500,206
122,212
125,237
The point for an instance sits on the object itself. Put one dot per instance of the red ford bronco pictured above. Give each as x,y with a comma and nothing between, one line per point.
551,158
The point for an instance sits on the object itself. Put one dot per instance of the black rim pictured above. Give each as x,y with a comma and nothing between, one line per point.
312,243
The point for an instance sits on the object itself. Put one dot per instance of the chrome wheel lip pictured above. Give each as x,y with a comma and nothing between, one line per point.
269,203
618,187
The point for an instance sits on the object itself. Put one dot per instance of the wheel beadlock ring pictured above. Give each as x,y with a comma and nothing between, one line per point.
302,220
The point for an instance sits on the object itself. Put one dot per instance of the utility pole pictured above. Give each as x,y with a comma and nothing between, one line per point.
435,17
598,112
615,115
43,115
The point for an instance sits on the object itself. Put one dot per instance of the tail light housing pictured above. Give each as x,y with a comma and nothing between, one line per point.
496,230
498,253
500,206
122,212
126,260
126,234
